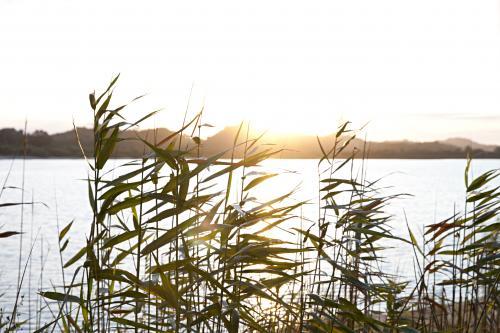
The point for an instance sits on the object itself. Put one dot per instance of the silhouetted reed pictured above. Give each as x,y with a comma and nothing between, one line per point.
179,243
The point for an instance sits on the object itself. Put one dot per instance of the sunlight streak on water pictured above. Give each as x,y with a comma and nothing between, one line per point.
436,187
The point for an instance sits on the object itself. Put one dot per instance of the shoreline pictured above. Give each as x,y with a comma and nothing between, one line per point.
4,157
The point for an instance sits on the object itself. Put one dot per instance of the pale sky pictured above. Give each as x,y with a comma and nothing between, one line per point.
418,70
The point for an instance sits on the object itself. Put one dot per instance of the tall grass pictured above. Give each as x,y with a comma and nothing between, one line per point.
179,243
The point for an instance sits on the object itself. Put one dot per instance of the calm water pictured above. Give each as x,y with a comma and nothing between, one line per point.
437,187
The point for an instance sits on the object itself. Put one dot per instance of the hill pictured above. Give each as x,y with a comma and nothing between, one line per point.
464,143
41,144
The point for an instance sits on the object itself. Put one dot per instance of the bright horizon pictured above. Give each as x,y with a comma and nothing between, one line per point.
420,70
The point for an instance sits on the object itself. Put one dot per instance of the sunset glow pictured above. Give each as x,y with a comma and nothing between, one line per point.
414,70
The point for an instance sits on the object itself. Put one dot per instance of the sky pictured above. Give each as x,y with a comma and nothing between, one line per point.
417,70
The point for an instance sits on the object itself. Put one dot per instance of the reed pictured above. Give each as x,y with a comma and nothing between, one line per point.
179,243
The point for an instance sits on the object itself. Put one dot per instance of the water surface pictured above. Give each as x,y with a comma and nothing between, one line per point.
436,186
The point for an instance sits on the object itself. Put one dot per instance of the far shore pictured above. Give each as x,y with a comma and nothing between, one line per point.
4,157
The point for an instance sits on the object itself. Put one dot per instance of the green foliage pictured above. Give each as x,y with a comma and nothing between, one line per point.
178,243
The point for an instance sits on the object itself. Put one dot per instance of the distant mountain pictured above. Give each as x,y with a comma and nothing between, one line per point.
41,144
292,146
464,143
306,146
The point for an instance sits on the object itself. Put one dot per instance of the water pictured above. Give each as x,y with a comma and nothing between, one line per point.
437,187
